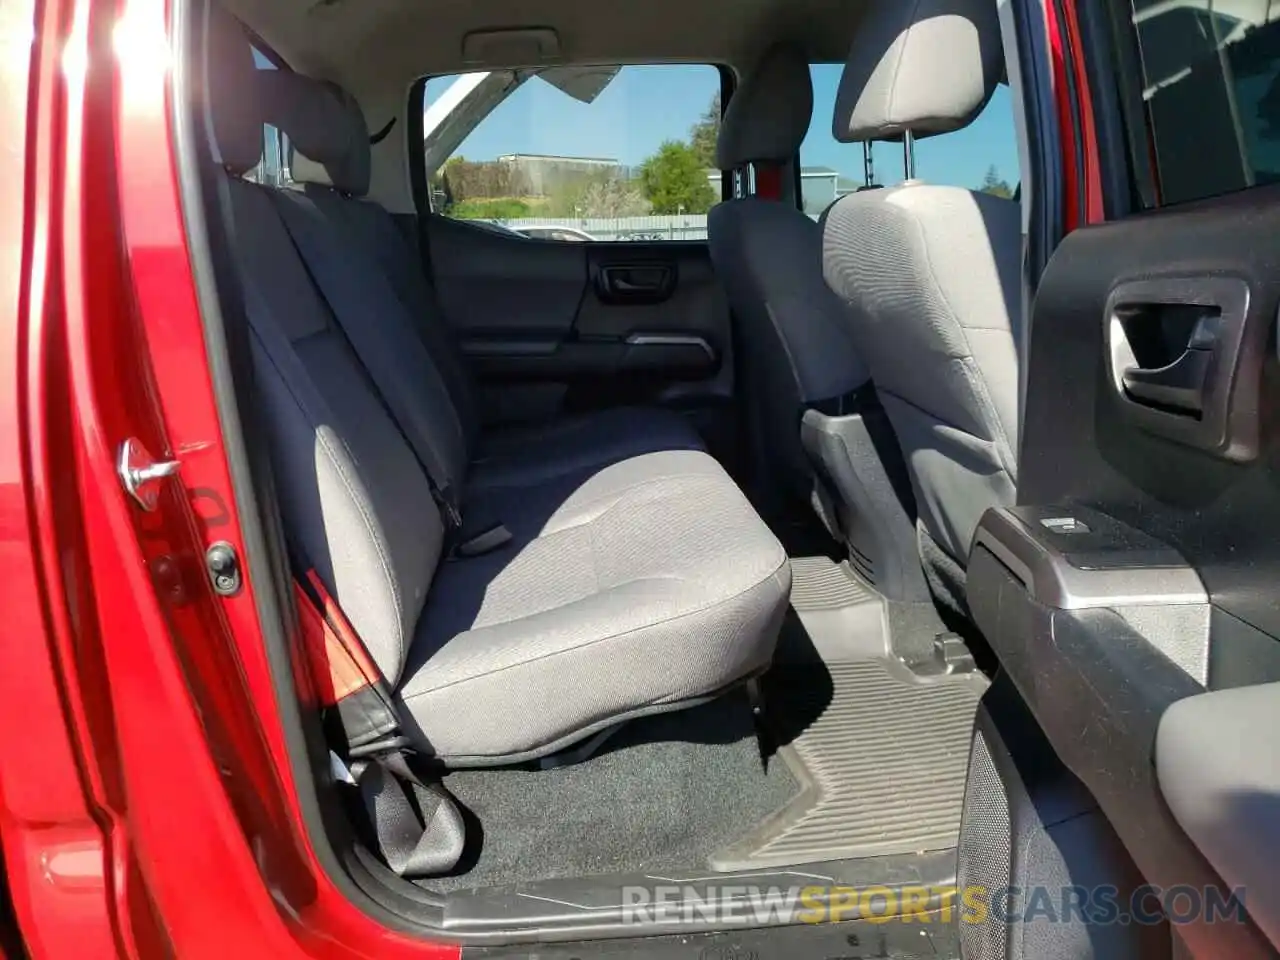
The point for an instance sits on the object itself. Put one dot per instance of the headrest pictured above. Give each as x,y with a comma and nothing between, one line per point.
229,93
923,66
325,127
769,113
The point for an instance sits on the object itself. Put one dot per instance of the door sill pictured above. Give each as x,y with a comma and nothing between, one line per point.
636,905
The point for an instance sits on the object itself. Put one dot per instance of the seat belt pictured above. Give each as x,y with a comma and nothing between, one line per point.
372,352
376,355
392,800
397,803
414,823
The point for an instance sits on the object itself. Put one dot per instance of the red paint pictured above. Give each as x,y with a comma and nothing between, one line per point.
1081,168
147,805
1093,208
146,802
340,664
768,180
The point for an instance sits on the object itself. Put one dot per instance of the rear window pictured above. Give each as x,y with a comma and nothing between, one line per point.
271,169
574,154
982,156
1211,85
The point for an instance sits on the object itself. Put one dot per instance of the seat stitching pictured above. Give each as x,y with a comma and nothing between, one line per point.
951,426
897,67
617,497
973,377
584,646
327,446
656,578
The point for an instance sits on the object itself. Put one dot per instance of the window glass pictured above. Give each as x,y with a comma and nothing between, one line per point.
271,168
573,154
982,156
1211,84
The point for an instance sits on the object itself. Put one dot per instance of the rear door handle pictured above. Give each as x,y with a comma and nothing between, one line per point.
1182,384
1180,364
635,282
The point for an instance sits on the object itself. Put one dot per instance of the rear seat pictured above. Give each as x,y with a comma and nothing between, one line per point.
638,579
331,161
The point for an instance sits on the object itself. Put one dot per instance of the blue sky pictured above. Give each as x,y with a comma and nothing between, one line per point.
645,105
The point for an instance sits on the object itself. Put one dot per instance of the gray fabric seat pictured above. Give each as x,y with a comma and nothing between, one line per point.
643,585
768,254
326,121
652,583
930,274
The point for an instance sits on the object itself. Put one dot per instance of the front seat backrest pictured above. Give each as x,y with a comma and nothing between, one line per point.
930,274
796,346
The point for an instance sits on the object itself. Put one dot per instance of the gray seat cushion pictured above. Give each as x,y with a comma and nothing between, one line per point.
326,121
796,347
635,586
652,583
930,274
520,456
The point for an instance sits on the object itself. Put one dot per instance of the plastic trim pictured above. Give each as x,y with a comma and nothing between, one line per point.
594,907
1144,573
1098,689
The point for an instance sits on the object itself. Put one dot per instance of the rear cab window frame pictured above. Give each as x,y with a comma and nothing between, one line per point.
998,174
1144,149
419,175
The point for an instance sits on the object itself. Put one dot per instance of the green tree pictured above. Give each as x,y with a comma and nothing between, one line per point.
704,134
675,181
993,185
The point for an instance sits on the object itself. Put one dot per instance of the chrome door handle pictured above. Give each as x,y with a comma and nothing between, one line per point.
140,473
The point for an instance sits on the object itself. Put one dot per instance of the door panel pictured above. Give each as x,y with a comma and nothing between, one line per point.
554,326
1081,443
1142,564
495,285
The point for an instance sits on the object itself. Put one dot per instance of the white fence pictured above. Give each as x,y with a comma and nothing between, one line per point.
622,228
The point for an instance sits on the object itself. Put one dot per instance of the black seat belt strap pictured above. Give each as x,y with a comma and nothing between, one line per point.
374,353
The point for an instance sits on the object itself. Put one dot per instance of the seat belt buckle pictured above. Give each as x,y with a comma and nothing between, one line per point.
486,541
448,505
340,772
453,516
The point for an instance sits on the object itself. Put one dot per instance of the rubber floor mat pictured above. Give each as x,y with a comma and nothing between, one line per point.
819,584
882,757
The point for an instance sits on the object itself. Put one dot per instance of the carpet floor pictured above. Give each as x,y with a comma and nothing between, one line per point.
661,795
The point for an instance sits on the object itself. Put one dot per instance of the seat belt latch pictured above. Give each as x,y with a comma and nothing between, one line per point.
448,504
486,541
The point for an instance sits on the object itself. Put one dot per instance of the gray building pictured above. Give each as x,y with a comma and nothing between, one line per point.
820,186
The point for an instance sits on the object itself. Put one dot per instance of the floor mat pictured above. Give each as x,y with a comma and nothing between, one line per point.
818,583
884,756
664,794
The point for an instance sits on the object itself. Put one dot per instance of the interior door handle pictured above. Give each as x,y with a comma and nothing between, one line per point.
1183,384
623,285
1181,366
635,282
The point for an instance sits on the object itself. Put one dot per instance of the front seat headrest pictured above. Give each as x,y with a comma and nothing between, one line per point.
920,67
768,115
326,130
